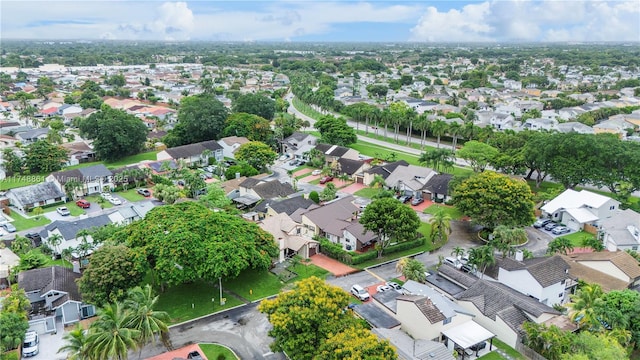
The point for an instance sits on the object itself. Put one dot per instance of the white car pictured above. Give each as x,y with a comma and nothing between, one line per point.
359,292
30,345
106,195
63,211
115,201
316,172
453,262
383,288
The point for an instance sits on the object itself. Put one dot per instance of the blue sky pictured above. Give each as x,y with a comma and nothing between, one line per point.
339,20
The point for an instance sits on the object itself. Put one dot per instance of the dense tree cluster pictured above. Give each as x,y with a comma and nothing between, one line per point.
200,118
335,131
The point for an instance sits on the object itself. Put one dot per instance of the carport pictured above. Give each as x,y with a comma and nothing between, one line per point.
575,219
464,336
246,201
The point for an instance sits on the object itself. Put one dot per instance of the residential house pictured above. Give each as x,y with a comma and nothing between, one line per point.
232,187
54,290
502,310
297,145
612,270
31,136
334,153
29,197
545,278
8,261
230,144
575,209
437,188
69,230
88,180
262,189
614,125
409,179
408,348
287,206
338,222
352,168
620,231
382,170
193,154
538,124
131,212
574,126
79,152
287,234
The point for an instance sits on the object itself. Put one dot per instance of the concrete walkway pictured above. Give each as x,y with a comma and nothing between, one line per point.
333,266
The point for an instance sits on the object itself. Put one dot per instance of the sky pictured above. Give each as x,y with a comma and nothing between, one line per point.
492,21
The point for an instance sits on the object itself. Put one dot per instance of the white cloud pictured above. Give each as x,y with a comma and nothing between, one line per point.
527,20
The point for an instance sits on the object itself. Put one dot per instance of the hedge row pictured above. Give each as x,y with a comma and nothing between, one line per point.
335,251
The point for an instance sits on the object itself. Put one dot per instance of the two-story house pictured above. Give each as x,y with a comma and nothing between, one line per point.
574,209
297,145
193,154
334,153
230,144
287,234
612,270
85,181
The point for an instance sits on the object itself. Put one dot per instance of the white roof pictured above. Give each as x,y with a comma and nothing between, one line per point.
582,215
468,334
571,199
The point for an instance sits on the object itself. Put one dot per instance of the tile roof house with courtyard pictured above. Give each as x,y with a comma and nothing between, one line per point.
503,310
193,154
54,289
574,209
91,179
29,197
618,264
544,278
620,231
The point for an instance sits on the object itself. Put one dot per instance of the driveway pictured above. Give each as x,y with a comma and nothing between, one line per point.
333,266
50,343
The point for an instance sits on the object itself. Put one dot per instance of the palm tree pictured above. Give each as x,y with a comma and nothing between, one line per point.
142,316
110,338
482,256
422,124
412,269
410,118
378,182
401,264
440,226
441,160
54,241
76,345
438,128
457,252
582,306
561,245
455,129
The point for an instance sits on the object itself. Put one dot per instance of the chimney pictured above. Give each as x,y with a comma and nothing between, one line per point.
237,175
519,255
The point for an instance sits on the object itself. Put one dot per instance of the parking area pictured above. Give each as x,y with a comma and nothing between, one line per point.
50,343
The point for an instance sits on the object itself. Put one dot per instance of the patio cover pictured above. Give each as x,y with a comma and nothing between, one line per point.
246,200
468,334
582,215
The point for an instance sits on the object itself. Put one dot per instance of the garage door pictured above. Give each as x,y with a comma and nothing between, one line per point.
573,225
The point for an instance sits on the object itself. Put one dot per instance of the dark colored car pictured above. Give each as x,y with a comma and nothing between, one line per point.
417,201
195,356
326,179
144,192
83,204
478,347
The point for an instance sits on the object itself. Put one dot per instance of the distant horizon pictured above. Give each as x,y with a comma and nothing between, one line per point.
336,21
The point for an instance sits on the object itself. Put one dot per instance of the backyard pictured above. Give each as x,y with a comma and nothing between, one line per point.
22,223
577,238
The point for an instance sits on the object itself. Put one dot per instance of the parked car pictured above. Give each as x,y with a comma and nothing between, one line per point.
30,344
84,204
397,287
560,230
404,198
550,226
316,172
478,347
326,179
467,268
463,259
62,210
210,169
453,262
541,223
9,227
359,292
144,192
115,201
417,201
383,288
105,195
293,162
194,355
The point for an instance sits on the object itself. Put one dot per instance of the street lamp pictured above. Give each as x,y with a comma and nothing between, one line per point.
222,300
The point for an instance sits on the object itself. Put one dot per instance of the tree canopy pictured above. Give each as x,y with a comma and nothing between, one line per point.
253,127
257,154
187,241
391,221
200,117
335,131
492,199
256,104
115,133
44,157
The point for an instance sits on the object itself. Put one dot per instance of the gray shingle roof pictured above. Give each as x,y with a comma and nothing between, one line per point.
546,270
349,166
186,151
385,170
36,193
273,189
51,278
438,184
288,206
376,316
70,229
95,171
332,150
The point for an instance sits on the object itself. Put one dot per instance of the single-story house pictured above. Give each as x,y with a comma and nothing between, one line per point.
353,168
79,152
69,230
265,189
334,152
612,270
577,208
193,154
437,188
287,206
382,170
54,289
90,180
29,197
230,144
31,136
620,231
409,179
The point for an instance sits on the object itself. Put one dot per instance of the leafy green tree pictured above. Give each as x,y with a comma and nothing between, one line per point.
314,196
560,245
329,192
479,155
141,303
582,308
305,317
112,271
438,129
355,344
12,329
550,342
44,157
241,168
200,118
116,134
618,309
594,346
441,160
166,193
21,245
256,104
391,221
33,259
411,269
109,336
492,199
12,162
17,302
440,226
257,154
335,131
253,127
75,344
592,242
187,241
215,198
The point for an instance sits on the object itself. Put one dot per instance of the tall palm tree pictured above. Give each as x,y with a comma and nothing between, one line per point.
413,269
54,241
142,316
457,252
481,256
440,226
560,245
455,129
438,128
422,123
410,118
582,306
76,345
378,182
110,337
440,160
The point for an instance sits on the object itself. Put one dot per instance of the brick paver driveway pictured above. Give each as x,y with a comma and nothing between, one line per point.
333,266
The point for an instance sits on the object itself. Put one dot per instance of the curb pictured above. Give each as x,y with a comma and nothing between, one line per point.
205,316
394,260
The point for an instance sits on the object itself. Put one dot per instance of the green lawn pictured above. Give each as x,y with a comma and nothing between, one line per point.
508,349
12,182
96,200
415,144
217,352
306,271
22,223
189,301
373,150
367,192
576,238
491,356
133,159
74,209
451,210
131,195
254,284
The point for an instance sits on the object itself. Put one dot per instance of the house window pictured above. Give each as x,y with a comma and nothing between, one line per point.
87,311
562,282
446,321
612,207
560,295
634,248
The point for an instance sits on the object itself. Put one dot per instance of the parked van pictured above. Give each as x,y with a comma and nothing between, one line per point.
30,345
359,292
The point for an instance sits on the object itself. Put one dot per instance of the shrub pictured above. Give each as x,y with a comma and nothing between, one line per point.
403,246
334,251
314,196
360,258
